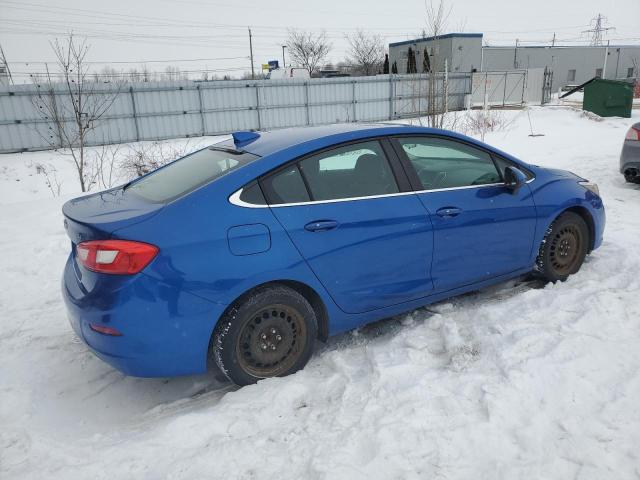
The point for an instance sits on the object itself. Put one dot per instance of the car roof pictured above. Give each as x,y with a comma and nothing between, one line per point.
269,142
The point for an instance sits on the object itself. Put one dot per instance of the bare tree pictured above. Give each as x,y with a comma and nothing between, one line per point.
107,74
366,52
437,16
437,105
172,73
146,75
307,49
73,106
430,88
108,163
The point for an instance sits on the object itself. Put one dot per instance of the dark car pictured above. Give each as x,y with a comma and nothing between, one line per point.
630,156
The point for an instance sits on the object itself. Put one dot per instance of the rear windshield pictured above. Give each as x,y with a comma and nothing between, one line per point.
188,173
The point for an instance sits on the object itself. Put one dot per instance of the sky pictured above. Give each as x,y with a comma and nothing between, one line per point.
198,35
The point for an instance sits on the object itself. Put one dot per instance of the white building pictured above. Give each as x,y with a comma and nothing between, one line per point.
571,65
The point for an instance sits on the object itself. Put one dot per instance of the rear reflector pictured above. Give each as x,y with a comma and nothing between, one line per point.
633,134
105,330
118,257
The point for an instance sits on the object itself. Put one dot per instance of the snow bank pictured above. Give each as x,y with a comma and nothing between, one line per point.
516,381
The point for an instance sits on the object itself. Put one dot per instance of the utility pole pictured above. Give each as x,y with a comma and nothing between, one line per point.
284,64
515,56
446,85
604,65
553,42
253,76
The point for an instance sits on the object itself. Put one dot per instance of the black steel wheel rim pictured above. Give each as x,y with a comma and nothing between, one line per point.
271,341
564,252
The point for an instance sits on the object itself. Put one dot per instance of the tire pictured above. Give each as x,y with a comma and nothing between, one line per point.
564,247
268,333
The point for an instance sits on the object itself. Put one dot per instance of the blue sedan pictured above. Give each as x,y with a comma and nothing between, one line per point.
244,253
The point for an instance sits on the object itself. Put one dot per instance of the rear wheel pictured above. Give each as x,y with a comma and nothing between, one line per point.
269,333
564,248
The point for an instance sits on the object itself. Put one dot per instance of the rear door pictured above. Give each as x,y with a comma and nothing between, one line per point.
481,228
352,216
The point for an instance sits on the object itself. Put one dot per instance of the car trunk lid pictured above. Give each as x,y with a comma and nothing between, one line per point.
97,216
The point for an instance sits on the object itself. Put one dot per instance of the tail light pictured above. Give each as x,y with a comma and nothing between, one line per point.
118,257
633,134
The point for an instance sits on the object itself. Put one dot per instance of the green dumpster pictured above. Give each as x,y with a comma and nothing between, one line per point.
608,98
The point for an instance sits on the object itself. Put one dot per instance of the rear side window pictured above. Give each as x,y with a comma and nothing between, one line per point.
188,173
442,163
357,170
286,186
253,194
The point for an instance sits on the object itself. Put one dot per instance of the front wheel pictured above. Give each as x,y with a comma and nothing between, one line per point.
564,247
269,333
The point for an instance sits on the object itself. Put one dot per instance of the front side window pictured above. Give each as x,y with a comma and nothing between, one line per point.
442,163
357,170
571,76
188,173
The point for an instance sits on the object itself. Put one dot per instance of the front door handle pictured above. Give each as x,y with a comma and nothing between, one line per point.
321,225
449,212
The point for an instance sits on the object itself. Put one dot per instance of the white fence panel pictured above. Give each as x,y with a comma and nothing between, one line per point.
535,82
511,88
161,110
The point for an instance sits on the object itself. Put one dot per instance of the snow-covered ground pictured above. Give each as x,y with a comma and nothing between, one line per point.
514,381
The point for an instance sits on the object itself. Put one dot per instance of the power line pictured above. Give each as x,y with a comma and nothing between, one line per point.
150,20
131,74
141,62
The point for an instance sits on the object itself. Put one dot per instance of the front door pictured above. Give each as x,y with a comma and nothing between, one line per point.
481,228
368,243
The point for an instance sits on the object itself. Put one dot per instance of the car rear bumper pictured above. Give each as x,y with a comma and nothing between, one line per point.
630,156
165,330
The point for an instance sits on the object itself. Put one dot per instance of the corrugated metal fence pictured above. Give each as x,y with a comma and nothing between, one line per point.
161,110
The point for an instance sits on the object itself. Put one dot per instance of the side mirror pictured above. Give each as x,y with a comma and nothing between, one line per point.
514,179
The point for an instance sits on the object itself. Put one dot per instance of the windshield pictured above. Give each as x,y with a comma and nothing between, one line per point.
188,173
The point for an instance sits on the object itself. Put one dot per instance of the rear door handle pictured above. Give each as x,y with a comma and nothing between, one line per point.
321,225
449,212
